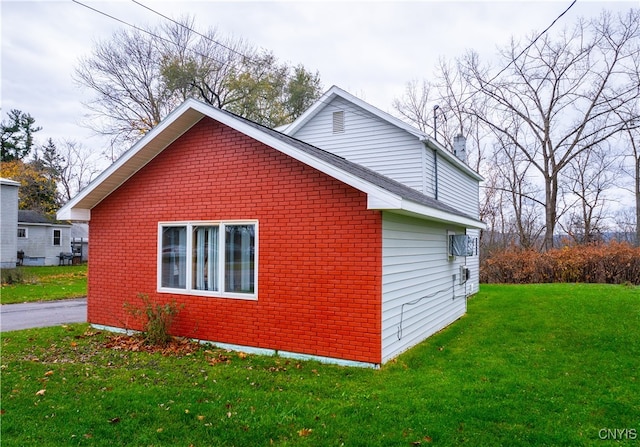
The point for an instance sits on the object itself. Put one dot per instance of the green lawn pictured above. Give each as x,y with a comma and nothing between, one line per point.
43,283
536,365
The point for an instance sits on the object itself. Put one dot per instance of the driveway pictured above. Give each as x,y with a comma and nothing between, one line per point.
42,314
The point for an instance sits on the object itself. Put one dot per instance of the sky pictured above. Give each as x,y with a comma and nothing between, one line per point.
370,48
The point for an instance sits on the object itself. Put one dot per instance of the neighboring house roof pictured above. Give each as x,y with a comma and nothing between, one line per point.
336,92
36,217
8,182
382,192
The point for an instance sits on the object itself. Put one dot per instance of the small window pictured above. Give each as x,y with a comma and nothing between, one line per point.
22,232
56,237
462,245
338,121
208,258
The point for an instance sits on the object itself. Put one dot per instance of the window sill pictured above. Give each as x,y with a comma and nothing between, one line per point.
208,294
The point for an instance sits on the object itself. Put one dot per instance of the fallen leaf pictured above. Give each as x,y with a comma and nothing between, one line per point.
229,414
428,439
304,432
114,420
242,355
200,417
41,393
49,373
160,430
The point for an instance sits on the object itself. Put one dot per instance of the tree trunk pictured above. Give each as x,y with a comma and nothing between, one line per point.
637,160
551,199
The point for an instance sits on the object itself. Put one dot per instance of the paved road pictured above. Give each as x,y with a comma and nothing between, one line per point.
42,314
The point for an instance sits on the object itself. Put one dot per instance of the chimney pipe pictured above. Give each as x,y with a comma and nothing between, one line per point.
460,147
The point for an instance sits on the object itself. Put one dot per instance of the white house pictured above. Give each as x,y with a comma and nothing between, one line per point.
422,280
9,222
41,239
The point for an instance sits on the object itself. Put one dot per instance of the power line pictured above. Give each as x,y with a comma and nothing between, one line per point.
533,42
194,31
149,32
176,44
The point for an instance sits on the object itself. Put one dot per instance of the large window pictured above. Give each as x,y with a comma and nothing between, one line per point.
208,258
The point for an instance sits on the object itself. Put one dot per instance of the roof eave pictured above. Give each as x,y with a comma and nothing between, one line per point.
155,141
413,209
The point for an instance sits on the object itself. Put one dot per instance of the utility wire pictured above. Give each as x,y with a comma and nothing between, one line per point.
151,33
546,30
195,32
245,57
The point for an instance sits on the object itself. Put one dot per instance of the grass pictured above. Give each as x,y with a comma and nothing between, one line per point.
549,364
43,283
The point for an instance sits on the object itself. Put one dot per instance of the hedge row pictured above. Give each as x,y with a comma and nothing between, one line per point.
614,263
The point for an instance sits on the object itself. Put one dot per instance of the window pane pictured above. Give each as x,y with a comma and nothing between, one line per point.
205,258
174,257
239,264
56,237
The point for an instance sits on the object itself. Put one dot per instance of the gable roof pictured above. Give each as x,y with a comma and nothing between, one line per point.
336,92
38,218
382,192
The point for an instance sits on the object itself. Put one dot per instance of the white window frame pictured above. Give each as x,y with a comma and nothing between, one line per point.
26,233
189,289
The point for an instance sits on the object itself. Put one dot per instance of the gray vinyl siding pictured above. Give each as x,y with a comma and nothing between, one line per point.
370,142
9,227
38,246
457,189
415,265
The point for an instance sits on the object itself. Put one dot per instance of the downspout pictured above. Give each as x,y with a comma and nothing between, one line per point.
435,174
425,141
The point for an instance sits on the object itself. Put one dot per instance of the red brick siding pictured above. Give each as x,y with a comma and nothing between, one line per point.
319,259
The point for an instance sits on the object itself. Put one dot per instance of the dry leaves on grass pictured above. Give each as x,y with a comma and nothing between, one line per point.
176,347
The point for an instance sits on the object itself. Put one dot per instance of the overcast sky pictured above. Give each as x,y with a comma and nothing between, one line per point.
371,49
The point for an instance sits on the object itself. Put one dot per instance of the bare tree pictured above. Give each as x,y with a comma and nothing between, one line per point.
130,97
416,105
521,193
626,225
631,153
634,145
140,75
587,180
78,168
563,92
438,108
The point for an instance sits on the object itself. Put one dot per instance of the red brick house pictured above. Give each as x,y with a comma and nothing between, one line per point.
271,244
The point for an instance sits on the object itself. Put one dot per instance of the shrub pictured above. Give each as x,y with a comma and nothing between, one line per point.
17,276
614,263
157,317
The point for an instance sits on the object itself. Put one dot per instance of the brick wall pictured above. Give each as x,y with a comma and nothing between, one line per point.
319,259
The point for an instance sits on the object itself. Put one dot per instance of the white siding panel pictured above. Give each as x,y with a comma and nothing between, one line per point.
39,243
457,189
9,227
420,295
370,142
